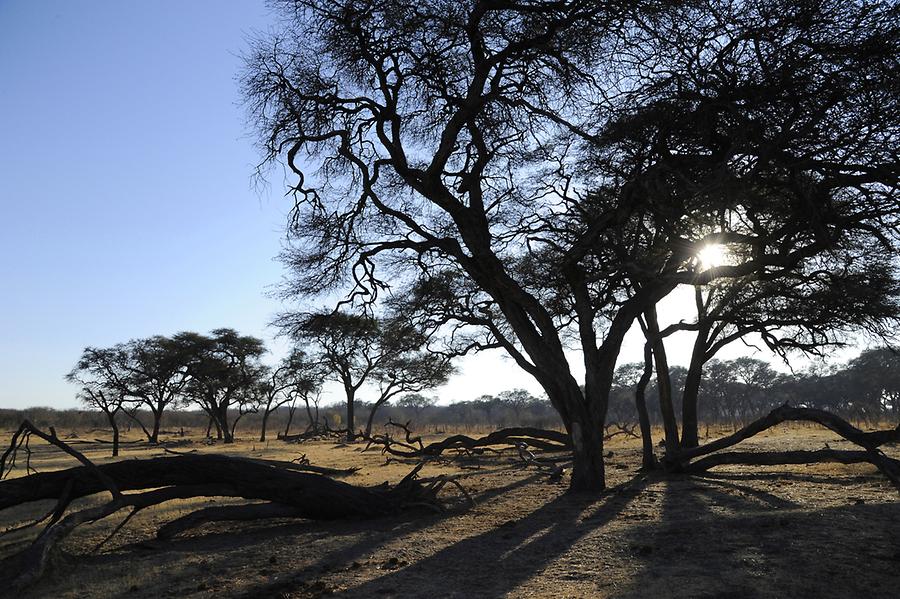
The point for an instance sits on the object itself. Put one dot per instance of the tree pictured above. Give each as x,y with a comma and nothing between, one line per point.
408,366
518,400
542,174
874,378
224,371
637,375
358,349
417,402
157,368
296,376
101,374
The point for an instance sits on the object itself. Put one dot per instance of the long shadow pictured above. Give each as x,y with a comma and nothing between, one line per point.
491,564
690,553
361,538
720,539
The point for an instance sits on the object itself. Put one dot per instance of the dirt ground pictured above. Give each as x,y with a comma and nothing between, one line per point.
786,531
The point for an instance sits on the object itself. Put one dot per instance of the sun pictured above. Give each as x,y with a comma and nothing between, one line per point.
712,255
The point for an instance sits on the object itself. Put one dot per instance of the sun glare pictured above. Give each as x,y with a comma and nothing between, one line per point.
712,255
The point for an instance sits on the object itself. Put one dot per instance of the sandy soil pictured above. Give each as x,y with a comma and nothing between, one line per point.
805,531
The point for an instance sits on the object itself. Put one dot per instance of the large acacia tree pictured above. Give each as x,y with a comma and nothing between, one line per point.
540,174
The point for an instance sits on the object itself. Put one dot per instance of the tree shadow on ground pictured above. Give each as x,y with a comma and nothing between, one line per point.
213,545
490,564
721,539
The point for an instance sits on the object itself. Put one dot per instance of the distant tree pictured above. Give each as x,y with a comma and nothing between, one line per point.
157,375
225,372
518,400
417,402
296,376
101,373
358,349
870,385
635,376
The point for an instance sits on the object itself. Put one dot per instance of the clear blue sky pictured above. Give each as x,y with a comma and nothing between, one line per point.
126,200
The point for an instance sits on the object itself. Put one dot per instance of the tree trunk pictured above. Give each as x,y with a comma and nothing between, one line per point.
111,417
371,420
691,393
291,410
648,460
154,434
588,471
351,400
265,421
663,383
228,435
689,398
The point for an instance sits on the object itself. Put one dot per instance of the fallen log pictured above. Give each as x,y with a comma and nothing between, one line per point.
285,489
317,496
870,442
413,447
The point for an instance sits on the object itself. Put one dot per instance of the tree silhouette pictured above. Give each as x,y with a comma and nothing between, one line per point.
102,374
296,376
541,174
225,372
358,349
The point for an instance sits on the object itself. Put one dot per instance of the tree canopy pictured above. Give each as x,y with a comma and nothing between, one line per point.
538,175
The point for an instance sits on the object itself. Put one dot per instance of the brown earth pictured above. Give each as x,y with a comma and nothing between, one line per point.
787,531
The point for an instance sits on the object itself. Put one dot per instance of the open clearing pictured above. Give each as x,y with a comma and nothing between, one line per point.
798,531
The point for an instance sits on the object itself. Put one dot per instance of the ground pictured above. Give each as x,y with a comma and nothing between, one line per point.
787,531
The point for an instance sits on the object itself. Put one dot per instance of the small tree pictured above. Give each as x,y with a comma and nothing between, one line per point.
518,400
356,349
101,374
296,376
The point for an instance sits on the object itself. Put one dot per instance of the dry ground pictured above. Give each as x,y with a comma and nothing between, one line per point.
807,531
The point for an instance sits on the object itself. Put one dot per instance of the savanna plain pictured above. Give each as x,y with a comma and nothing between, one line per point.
816,530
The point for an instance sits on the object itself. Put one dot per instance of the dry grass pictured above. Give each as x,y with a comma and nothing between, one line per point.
816,531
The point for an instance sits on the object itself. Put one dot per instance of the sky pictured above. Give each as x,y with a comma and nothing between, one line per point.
127,201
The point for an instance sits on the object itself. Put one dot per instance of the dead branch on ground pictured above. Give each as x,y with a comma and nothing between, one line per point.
870,442
413,447
280,489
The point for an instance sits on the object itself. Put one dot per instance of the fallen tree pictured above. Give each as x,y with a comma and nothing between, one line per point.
539,439
283,489
869,442
413,447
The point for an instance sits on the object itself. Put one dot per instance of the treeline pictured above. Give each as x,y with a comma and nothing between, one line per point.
734,392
